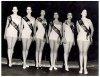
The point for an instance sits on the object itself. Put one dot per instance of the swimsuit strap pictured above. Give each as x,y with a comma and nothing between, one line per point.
40,20
71,26
55,29
84,27
29,24
13,23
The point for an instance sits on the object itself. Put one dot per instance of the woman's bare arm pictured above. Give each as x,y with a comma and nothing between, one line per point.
35,25
7,23
77,26
63,31
49,30
92,28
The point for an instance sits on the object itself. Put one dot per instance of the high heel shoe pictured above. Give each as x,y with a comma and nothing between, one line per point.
51,68
66,68
40,66
81,71
10,65
27,65
85,71
55,68
24,67
37,67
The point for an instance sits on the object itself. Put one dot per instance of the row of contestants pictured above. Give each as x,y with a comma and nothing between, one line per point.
30,29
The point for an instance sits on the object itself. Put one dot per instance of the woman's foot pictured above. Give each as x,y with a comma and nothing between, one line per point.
10,64
24,66
37,66
81,71
85,71
55,68
27,65
51,68
66,68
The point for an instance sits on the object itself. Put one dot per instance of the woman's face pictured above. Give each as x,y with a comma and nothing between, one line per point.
29,10
42,12
84,13
69,16
56,15
14,10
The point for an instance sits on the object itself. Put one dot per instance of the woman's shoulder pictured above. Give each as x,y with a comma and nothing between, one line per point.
60,22
19,17
72,23
64,21
9,17
88,19
33,18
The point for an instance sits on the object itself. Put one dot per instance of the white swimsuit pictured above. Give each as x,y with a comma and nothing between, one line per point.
68,33
82,34
53,35
26,32
41,31
11,31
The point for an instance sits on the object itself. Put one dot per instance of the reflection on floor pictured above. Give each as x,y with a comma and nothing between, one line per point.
44,71
17,70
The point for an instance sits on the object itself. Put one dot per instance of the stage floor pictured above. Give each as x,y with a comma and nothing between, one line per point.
32,71
17,70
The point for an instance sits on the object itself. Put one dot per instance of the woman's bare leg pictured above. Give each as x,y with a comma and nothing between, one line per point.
86,46
69,49
55,54
80,45
27,48
66,54
24,41
9,40
12,46
37,51
40,52
51,54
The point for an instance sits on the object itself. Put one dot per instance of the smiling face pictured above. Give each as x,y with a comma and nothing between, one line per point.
42,13
29,10
14,10
84,13
69,16
56,15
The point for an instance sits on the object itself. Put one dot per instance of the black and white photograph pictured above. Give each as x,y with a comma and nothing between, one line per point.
49,38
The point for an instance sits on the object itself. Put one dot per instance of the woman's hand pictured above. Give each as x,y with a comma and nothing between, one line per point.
64,40
34,38
5,37
31,37
47,39
73,43
58,40
19,38
91,40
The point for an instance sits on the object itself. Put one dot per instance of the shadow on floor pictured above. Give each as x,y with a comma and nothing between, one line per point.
16,70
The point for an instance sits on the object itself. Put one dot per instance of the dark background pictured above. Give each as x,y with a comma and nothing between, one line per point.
62,7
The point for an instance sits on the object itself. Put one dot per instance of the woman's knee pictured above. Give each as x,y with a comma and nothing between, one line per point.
66,53
24,48
9,47
85,53
81,53
37,44
37,48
